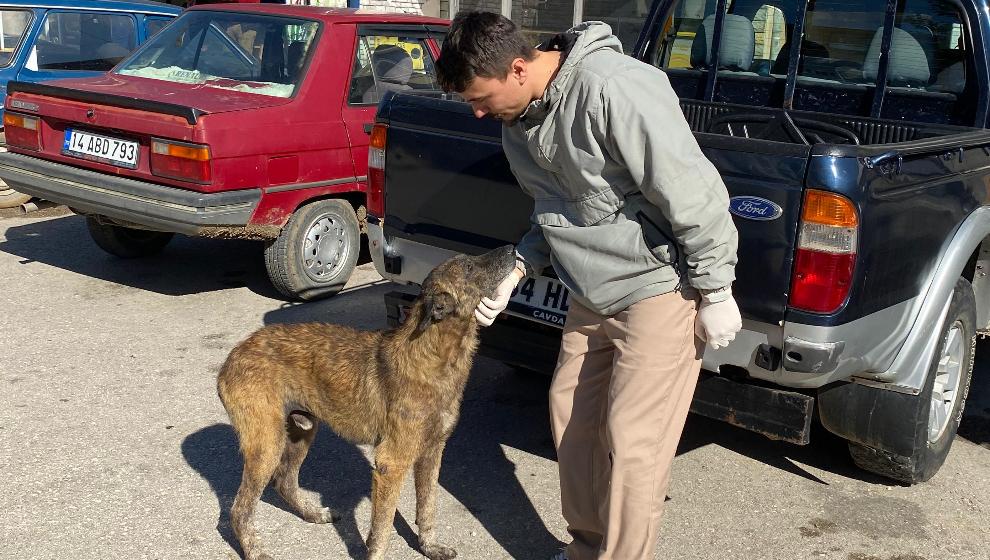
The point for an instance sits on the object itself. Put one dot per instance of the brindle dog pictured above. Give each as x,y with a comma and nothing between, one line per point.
399,390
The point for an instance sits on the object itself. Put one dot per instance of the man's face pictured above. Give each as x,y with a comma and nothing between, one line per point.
503,99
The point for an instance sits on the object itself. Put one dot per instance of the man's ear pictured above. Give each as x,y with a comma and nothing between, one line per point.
519,70
435,308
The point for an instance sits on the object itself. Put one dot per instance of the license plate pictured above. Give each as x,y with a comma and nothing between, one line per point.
86,145
543,299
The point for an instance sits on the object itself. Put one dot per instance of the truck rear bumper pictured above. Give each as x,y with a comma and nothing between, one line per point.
775,413
128,200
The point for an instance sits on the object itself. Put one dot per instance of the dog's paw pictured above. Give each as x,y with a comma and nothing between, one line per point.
438,552
324,515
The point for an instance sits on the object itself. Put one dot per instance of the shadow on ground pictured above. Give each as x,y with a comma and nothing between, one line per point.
188,265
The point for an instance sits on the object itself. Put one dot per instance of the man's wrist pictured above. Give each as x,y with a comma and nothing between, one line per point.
716,295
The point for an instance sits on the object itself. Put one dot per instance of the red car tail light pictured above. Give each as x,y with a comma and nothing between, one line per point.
376,170
180,160
22,131
826,253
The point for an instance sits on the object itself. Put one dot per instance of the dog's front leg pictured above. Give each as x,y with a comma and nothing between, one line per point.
427,471
386,483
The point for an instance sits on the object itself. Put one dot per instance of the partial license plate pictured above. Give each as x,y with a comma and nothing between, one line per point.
86,145
543,299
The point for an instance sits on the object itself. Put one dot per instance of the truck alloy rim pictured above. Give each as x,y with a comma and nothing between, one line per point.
947,378
325,248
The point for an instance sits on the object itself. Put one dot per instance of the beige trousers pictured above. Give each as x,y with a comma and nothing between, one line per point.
618,403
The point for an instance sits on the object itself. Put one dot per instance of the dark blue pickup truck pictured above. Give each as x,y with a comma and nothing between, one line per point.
852,136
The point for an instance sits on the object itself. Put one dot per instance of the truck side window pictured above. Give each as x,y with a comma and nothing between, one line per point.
83,41
390,63
13,24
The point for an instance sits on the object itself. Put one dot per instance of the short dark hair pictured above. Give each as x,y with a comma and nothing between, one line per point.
479,44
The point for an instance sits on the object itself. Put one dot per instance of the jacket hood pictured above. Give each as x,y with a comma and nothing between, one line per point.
576,43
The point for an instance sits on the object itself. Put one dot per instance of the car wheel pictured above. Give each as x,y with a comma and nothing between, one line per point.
940,404
316,252
124,242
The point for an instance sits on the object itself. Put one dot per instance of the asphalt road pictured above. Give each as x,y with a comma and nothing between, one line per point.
113,443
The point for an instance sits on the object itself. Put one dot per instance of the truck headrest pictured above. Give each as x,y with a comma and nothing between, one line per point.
737,47
910,48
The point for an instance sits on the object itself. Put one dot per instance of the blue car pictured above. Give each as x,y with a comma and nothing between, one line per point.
47,40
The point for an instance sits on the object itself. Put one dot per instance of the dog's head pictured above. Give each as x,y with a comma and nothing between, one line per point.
455,287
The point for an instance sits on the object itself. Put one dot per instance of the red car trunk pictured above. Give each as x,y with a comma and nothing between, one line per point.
108,106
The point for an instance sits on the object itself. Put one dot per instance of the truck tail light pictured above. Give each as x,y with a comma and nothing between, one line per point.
180,160
22,131
376,170
826,253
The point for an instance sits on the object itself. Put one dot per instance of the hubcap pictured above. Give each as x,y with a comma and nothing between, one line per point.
947,380
324,248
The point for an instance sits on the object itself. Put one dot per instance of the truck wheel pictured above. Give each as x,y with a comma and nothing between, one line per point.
316,252
127,243
9,198
940,403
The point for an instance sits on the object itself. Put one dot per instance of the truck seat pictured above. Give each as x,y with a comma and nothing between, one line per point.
735,51
910,51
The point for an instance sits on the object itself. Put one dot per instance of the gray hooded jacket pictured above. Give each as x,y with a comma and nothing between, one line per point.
626,205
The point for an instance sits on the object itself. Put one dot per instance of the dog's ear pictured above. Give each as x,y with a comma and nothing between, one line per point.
435,308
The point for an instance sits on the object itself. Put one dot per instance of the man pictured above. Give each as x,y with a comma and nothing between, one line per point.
634,220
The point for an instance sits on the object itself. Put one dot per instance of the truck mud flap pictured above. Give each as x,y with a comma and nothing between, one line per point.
775,413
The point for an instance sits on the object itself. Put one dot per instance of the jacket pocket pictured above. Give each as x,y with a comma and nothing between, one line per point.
660,243
588,210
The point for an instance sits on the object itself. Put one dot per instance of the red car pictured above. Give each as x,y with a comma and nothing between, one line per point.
237,120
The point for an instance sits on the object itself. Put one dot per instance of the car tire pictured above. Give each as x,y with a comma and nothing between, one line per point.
316,252
940,403
124,242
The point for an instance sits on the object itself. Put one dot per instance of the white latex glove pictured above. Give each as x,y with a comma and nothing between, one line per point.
490,307
717,323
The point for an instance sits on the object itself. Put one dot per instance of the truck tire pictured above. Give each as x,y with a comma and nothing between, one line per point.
124,242
940,403
316,252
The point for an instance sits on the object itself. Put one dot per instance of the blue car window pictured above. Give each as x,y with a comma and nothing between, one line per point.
13,25
83,41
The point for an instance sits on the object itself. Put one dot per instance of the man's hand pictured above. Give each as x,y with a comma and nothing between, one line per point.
490,307
718,323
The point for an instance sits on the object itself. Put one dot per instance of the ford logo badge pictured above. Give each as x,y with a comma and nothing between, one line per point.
754,208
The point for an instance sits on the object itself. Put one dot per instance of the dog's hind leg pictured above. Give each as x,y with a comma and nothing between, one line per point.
392,462
261,444
301,431
427,471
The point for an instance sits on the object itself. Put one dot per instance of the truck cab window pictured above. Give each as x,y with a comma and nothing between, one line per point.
927,72
752,43
930,61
